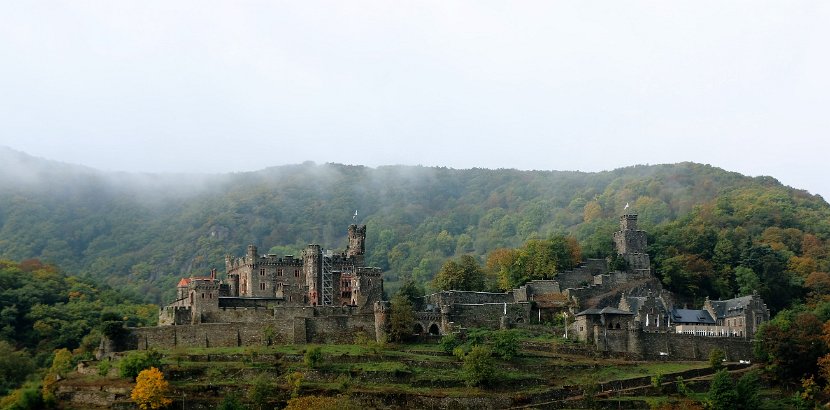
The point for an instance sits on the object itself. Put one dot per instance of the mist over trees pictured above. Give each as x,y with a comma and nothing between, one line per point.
711,232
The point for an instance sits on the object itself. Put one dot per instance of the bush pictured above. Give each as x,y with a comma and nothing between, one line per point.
722,394
231,402
506,344
478,368
716,357
449,342
104,367
261,391
295,383
747,389
657,381
130,366
313,356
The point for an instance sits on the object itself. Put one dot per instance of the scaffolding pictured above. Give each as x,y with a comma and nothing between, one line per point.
328,290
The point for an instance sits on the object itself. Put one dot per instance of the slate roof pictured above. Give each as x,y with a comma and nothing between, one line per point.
603,311
730,307
692,316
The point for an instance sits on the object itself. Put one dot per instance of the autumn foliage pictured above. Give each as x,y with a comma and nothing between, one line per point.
151,389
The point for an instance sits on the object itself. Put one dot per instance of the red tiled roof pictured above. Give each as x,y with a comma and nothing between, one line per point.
186,281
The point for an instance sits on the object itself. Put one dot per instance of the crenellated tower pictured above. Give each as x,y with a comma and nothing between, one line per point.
631,244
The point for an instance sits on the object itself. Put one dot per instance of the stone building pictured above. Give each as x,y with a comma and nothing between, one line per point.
317,278
622,311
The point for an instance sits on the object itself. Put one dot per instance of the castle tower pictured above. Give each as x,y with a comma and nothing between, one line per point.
312,270
381,310
631,243
357,242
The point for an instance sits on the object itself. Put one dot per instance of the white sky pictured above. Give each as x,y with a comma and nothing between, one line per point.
218,86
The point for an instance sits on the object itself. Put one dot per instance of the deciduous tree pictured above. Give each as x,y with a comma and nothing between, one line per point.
150,391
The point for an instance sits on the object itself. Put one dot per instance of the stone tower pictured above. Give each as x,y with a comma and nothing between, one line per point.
312,270
357,242
631,244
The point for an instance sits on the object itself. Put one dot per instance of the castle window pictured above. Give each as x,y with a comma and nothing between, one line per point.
262,272
261,286
296,273
203,295
279,272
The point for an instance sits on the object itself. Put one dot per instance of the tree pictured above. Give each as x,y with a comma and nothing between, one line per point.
716,357
464,274
130,366
261,391
747,389
478,368
15,366
505,343
747,280
151,389
792,344
412,292
722,394
231,402
401,318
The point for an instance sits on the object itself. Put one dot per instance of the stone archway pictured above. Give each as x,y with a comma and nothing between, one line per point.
434,330
418,329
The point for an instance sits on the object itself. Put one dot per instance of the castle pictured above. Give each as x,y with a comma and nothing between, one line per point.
626,312
317,278
323,297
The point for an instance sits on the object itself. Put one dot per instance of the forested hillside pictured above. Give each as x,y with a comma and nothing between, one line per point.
713,232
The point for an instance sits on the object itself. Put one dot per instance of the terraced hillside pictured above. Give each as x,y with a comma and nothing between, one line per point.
547,373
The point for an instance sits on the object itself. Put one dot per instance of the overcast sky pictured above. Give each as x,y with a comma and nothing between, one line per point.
218,86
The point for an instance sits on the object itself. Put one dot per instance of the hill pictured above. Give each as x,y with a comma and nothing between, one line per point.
143,231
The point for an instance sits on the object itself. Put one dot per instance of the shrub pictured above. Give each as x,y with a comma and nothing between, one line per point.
231,402
449,342
716,357
722,394
747,389
261,391
313,356
295,383
506,344
130,366
657,381
478,368
104,367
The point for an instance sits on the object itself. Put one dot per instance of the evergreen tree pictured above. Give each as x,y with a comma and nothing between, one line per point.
722,394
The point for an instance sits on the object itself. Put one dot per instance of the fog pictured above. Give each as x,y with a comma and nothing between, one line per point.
176,87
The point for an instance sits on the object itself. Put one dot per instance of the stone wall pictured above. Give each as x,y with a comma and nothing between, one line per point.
450,297
583,274
689,347
489,315
327,325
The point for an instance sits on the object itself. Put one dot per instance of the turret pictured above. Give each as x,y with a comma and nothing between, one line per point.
252,254
631,243
312,268
357,241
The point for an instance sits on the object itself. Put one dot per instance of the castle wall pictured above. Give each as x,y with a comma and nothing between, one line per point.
581,275
260,328
450,297
489,315
689,347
